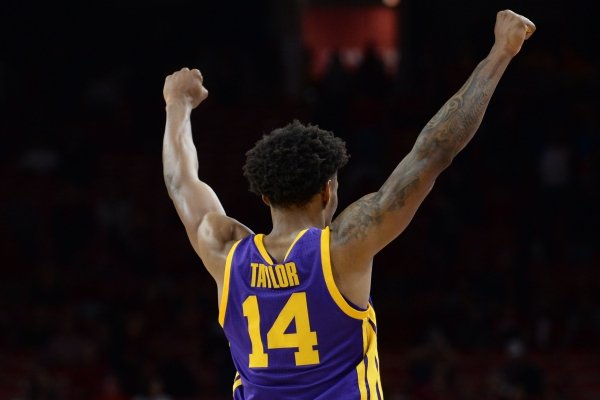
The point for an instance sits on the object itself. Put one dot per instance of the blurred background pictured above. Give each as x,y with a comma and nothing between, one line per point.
491,293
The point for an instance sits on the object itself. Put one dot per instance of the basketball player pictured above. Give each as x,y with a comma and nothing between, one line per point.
295,303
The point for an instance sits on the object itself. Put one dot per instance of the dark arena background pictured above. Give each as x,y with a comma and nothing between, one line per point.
491,293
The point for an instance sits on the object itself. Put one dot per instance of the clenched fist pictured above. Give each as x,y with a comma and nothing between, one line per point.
185,86
512,30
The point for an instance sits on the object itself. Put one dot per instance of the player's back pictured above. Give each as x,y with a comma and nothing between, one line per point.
292,334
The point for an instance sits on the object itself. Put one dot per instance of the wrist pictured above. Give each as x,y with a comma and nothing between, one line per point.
178,105
500,51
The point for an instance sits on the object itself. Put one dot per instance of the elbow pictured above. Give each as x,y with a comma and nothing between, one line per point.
172,182
434,156
174,177
439,161
444,160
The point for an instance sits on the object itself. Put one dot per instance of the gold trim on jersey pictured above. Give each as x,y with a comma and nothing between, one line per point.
362,380
368,373
237,381
260,245
258,241
225,290
330,282
372,316
298,236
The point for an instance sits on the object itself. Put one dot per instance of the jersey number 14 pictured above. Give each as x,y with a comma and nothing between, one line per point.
303,339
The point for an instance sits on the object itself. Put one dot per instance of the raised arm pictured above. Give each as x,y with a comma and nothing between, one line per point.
210,231
369,224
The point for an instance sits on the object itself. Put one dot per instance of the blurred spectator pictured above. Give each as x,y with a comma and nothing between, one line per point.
156,391
554,165
371,77
333,95
432,369
110,389
42,386
517,377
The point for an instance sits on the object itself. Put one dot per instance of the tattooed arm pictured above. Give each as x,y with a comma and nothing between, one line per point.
381,216
370,223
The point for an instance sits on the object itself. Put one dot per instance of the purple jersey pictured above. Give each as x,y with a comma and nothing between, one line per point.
291,333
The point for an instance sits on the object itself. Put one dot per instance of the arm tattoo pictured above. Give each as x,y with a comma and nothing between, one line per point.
456,122
369,211
446,134
356,220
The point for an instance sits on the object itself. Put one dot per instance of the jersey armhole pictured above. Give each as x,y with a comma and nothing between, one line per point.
334,292
225,290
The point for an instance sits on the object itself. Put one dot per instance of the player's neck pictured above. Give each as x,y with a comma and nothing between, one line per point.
289,221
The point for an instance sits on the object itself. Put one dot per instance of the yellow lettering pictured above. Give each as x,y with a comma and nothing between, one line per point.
296,309
272,277
283,336
266,273
281,275
261,281
258,358
292,274
254,268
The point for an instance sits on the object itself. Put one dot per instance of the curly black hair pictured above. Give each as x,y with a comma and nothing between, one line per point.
291,164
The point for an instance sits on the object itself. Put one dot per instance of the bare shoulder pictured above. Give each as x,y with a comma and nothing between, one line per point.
216,235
